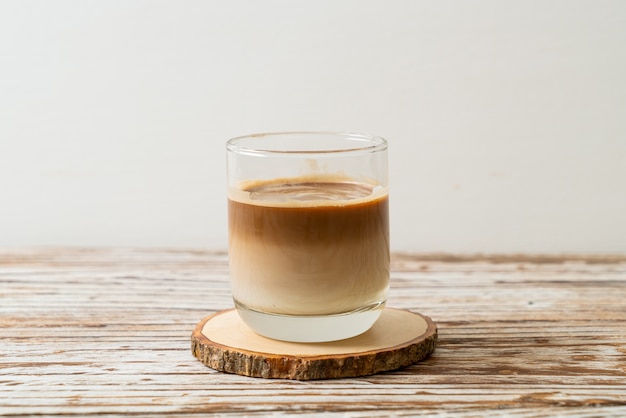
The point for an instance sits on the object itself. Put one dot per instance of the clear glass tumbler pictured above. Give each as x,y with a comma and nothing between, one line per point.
308,217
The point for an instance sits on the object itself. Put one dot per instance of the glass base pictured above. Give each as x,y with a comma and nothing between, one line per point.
313,328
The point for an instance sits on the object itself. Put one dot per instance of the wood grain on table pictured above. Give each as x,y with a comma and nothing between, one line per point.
106,332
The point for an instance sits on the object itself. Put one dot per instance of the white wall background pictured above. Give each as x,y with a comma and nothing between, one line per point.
506,119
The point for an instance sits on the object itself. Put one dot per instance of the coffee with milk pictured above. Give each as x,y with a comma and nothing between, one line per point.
309,246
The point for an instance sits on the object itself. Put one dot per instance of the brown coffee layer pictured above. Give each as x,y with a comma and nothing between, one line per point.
316,225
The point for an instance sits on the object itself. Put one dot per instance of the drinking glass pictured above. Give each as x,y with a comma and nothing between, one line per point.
308,222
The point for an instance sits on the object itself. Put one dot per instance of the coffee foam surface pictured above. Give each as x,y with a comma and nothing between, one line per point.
307,191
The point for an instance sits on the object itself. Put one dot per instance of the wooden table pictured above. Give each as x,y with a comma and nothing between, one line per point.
107,332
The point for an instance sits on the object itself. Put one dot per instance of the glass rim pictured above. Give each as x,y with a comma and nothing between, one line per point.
368,143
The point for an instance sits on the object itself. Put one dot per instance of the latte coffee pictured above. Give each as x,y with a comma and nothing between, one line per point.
308,228
309,246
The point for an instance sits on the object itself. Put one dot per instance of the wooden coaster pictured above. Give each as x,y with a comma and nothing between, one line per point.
399,338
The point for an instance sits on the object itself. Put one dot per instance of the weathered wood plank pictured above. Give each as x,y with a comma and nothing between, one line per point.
107,332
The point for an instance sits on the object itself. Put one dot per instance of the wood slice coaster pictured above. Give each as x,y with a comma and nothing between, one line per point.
399,338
